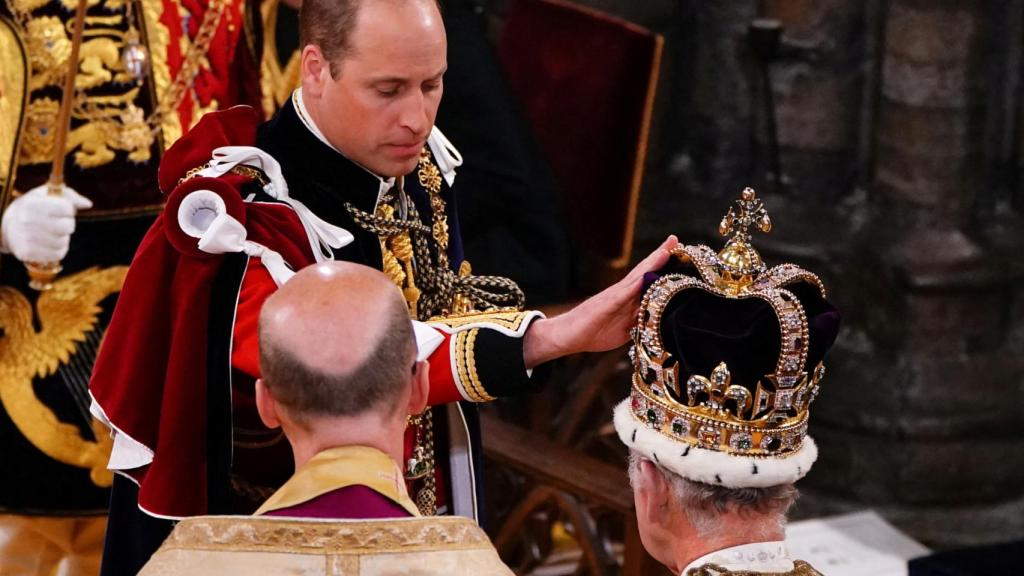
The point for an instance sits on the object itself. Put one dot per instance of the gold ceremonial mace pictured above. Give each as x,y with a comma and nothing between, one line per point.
41,274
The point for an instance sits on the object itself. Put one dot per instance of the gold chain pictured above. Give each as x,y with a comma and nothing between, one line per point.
426,497
239,169
397,262
430,178
438,281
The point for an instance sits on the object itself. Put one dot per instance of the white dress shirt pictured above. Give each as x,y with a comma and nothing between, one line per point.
756,557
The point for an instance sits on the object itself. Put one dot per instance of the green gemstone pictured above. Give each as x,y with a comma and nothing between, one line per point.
652,416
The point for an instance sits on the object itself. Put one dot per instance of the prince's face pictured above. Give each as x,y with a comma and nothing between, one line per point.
381,107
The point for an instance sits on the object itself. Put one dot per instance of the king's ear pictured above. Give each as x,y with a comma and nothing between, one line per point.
266,405
653,494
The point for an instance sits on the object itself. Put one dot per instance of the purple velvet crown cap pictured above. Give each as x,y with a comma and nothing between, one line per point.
700,330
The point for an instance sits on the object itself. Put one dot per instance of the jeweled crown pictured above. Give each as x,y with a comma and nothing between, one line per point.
763,418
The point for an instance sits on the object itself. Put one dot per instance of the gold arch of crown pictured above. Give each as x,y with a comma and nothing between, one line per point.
711,412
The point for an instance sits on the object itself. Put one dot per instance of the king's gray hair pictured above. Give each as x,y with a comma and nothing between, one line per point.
706,505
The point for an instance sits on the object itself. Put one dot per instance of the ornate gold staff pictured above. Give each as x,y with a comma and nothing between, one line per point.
41,274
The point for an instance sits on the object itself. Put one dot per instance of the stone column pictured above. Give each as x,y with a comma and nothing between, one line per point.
703,128
817,83
923,417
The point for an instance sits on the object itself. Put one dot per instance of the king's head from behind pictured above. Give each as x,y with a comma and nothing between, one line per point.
728,356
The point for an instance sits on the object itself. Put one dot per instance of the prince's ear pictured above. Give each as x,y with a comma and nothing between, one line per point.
315,70
420,382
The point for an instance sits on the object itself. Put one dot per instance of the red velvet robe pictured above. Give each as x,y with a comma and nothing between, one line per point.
180,347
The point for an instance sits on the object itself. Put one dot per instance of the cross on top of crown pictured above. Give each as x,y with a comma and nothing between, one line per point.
748,211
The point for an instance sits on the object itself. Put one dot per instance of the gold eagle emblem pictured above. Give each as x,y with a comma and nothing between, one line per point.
66,316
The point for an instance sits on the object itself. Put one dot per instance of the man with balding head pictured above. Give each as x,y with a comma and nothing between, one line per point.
340,377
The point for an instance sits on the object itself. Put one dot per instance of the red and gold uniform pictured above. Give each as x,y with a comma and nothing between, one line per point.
185,327
147,71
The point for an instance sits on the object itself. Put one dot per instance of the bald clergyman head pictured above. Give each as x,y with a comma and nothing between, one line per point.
338,361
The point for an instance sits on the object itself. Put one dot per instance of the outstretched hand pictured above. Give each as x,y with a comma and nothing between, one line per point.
601,322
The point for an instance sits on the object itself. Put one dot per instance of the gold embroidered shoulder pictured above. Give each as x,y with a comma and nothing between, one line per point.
800,568
209,545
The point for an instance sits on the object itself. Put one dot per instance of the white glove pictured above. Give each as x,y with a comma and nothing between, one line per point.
37,227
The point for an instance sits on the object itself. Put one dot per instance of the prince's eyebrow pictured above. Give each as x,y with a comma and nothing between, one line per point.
404,80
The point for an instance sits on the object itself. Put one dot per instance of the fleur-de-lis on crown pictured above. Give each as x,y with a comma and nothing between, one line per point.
719,389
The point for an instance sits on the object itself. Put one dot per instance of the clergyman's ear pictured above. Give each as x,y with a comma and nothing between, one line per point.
266,405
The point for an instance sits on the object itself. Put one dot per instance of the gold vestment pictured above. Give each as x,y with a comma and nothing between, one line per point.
219,545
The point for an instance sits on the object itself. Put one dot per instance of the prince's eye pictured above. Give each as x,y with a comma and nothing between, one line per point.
387,89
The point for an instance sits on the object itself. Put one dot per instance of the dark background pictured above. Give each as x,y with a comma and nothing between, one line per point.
899,136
